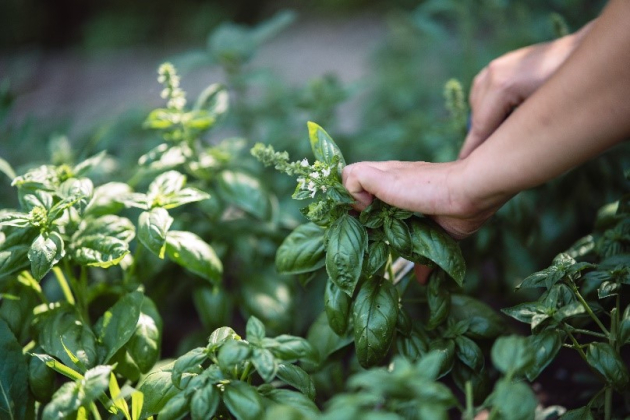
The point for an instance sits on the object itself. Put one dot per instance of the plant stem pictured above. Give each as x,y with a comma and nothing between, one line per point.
589,311
577,346
94,411
588,332
470,408
245,374
63,283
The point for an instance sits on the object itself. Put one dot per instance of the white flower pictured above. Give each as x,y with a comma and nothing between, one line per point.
314,175
301,182
326,172
324,189
304,163
311,186
313,194
164,93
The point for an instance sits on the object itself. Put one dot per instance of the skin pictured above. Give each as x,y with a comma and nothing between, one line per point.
571,109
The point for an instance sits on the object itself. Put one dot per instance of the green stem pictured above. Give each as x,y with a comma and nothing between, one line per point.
94,411
248,368
589,311
470,407
577,346
390,267
588,332
612,340
63,283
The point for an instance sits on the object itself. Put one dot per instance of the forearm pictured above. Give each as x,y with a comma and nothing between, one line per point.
582,110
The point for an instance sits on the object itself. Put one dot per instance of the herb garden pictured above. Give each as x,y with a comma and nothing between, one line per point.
208,262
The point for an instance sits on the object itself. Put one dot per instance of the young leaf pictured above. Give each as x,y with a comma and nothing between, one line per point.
220,336
194,254
117,399
337,306
378,252
13,376
157,389
347,242
6,169
302,251
438,299
469,353
118,323
14,218
324,148
398,235
188,364
265,364
484,321
375,313
431,242
243,401
254,330
152,229
144,345
205,402
99,251
289,348
297,400
232,353
46,251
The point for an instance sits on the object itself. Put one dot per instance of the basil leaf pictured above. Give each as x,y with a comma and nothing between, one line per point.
583,413
176,408
41,379
514,400
195,255
188,364
243,401
204,402
289,348
108,199
153,226
158,389
603,357
14,218
484,321
265,364
546,346
302,251
111,225
512,354
254,330
445,350
375,313
220,336
118,323
324,340
432,242
337,306
398,235
45,251
244,191
232,353
297,378
13,380
144,345
324,148
469,353
438,299
99,251
412,347
624,327
378,252
347,242
295,400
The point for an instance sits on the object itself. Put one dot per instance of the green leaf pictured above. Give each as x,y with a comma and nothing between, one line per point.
194,254
469,353
176,408
99,251
254,330
232,353
144,345
297,378
378,253
443,363
265,364
412,347
158,389
243,401
108,225
484,321
14,218
527,312
220,336
583,413
512,354
76,191
6,169
624,327
57,366
15,244
433,243
152,229
116,326
167,191
602,356
214,306
89,163
45,251
324,340
347,242
95,382
438,299
108,199
375,313
41,379
302,251
64,323
204,402
13,376
295,400
245,192
188,365
337,306
398,235
289,348
514,400
545,345
324,148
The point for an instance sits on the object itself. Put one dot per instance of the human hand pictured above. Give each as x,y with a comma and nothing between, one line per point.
509,80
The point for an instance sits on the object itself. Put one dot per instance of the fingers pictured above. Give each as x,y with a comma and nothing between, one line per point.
358,179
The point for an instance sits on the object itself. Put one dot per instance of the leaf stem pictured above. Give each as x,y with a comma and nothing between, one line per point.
589,311
588,332
63,283
470,408
245,374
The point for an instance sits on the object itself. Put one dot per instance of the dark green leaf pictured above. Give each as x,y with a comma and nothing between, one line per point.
608,289
290,348
602,356
469,353
176,408
514,400
158,389
569,311
484,321
195,255
232,353
624,327
144,345
13,376
545,345
65,402
525,312
152,229
41,379
337,306
512,354
431,242
265,364
220,336
297,378
438,299
187,365
443,363
375,313
398,235
378,252
46,251
347,242
413,346
324,340
324,148
302,251
214,306
204,402
294,399
243,401
255,330
583,413
118,323
245,192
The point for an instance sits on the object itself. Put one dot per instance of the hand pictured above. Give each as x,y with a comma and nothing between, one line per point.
509,80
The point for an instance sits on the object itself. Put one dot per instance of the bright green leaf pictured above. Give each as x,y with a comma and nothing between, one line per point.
194,254
152,230
302,251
